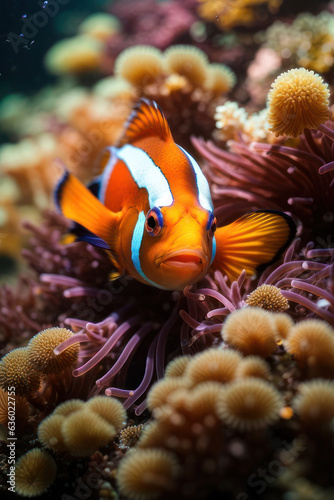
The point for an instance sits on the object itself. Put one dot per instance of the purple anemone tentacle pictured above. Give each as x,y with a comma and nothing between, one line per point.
315,290
148,375
109,344
299,299
75,339
128,349
162,339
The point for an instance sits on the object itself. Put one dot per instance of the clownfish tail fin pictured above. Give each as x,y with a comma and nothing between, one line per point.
252,242
76,202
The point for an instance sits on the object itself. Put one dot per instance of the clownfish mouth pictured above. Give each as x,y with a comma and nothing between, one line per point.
194,260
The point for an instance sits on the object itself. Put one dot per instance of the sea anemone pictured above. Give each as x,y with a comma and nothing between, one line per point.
16,371
268,297
315,402
84,431
34,473
284,323
250,330
177,366
42,345
253,366
298,99
50,432
249,404
108,408
144,474
80,54
212,365
187,61
139,65
312,343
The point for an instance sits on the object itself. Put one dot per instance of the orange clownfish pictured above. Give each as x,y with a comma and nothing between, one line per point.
151,208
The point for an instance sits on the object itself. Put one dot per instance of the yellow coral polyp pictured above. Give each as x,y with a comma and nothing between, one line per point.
139,65
228,14
75,55
298,100
100,26
188,61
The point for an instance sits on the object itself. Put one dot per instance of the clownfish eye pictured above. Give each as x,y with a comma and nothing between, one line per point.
212,223
154,221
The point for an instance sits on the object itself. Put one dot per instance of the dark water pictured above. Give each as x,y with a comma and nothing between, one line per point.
28,28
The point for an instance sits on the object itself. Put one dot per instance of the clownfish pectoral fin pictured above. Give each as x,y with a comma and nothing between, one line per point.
77,203
252,242
146,120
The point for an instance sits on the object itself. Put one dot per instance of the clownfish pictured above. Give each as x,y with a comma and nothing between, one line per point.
151,208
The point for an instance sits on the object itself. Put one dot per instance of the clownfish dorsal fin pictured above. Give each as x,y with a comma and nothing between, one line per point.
146,120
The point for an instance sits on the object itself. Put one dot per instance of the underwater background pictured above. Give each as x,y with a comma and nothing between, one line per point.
112,389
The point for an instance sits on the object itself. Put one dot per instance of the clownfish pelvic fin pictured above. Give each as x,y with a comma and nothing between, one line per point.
76,202
252,242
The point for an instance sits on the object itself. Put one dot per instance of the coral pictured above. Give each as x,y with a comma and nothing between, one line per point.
236,13
268,297
16,371
181,81
298,99
177,366
81,428
129,436
161,390
231,120
265,66
110,409
249,404
42,345
162,354
84,431
139,65
68,407
315,402
251,330
187,61
100,26
284,324
215,365
34,473
18,407
143,474
50,432
75,55
139,26
307,41
220,79
312,344
253,366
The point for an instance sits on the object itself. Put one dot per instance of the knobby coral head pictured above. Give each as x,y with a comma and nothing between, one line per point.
298,99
